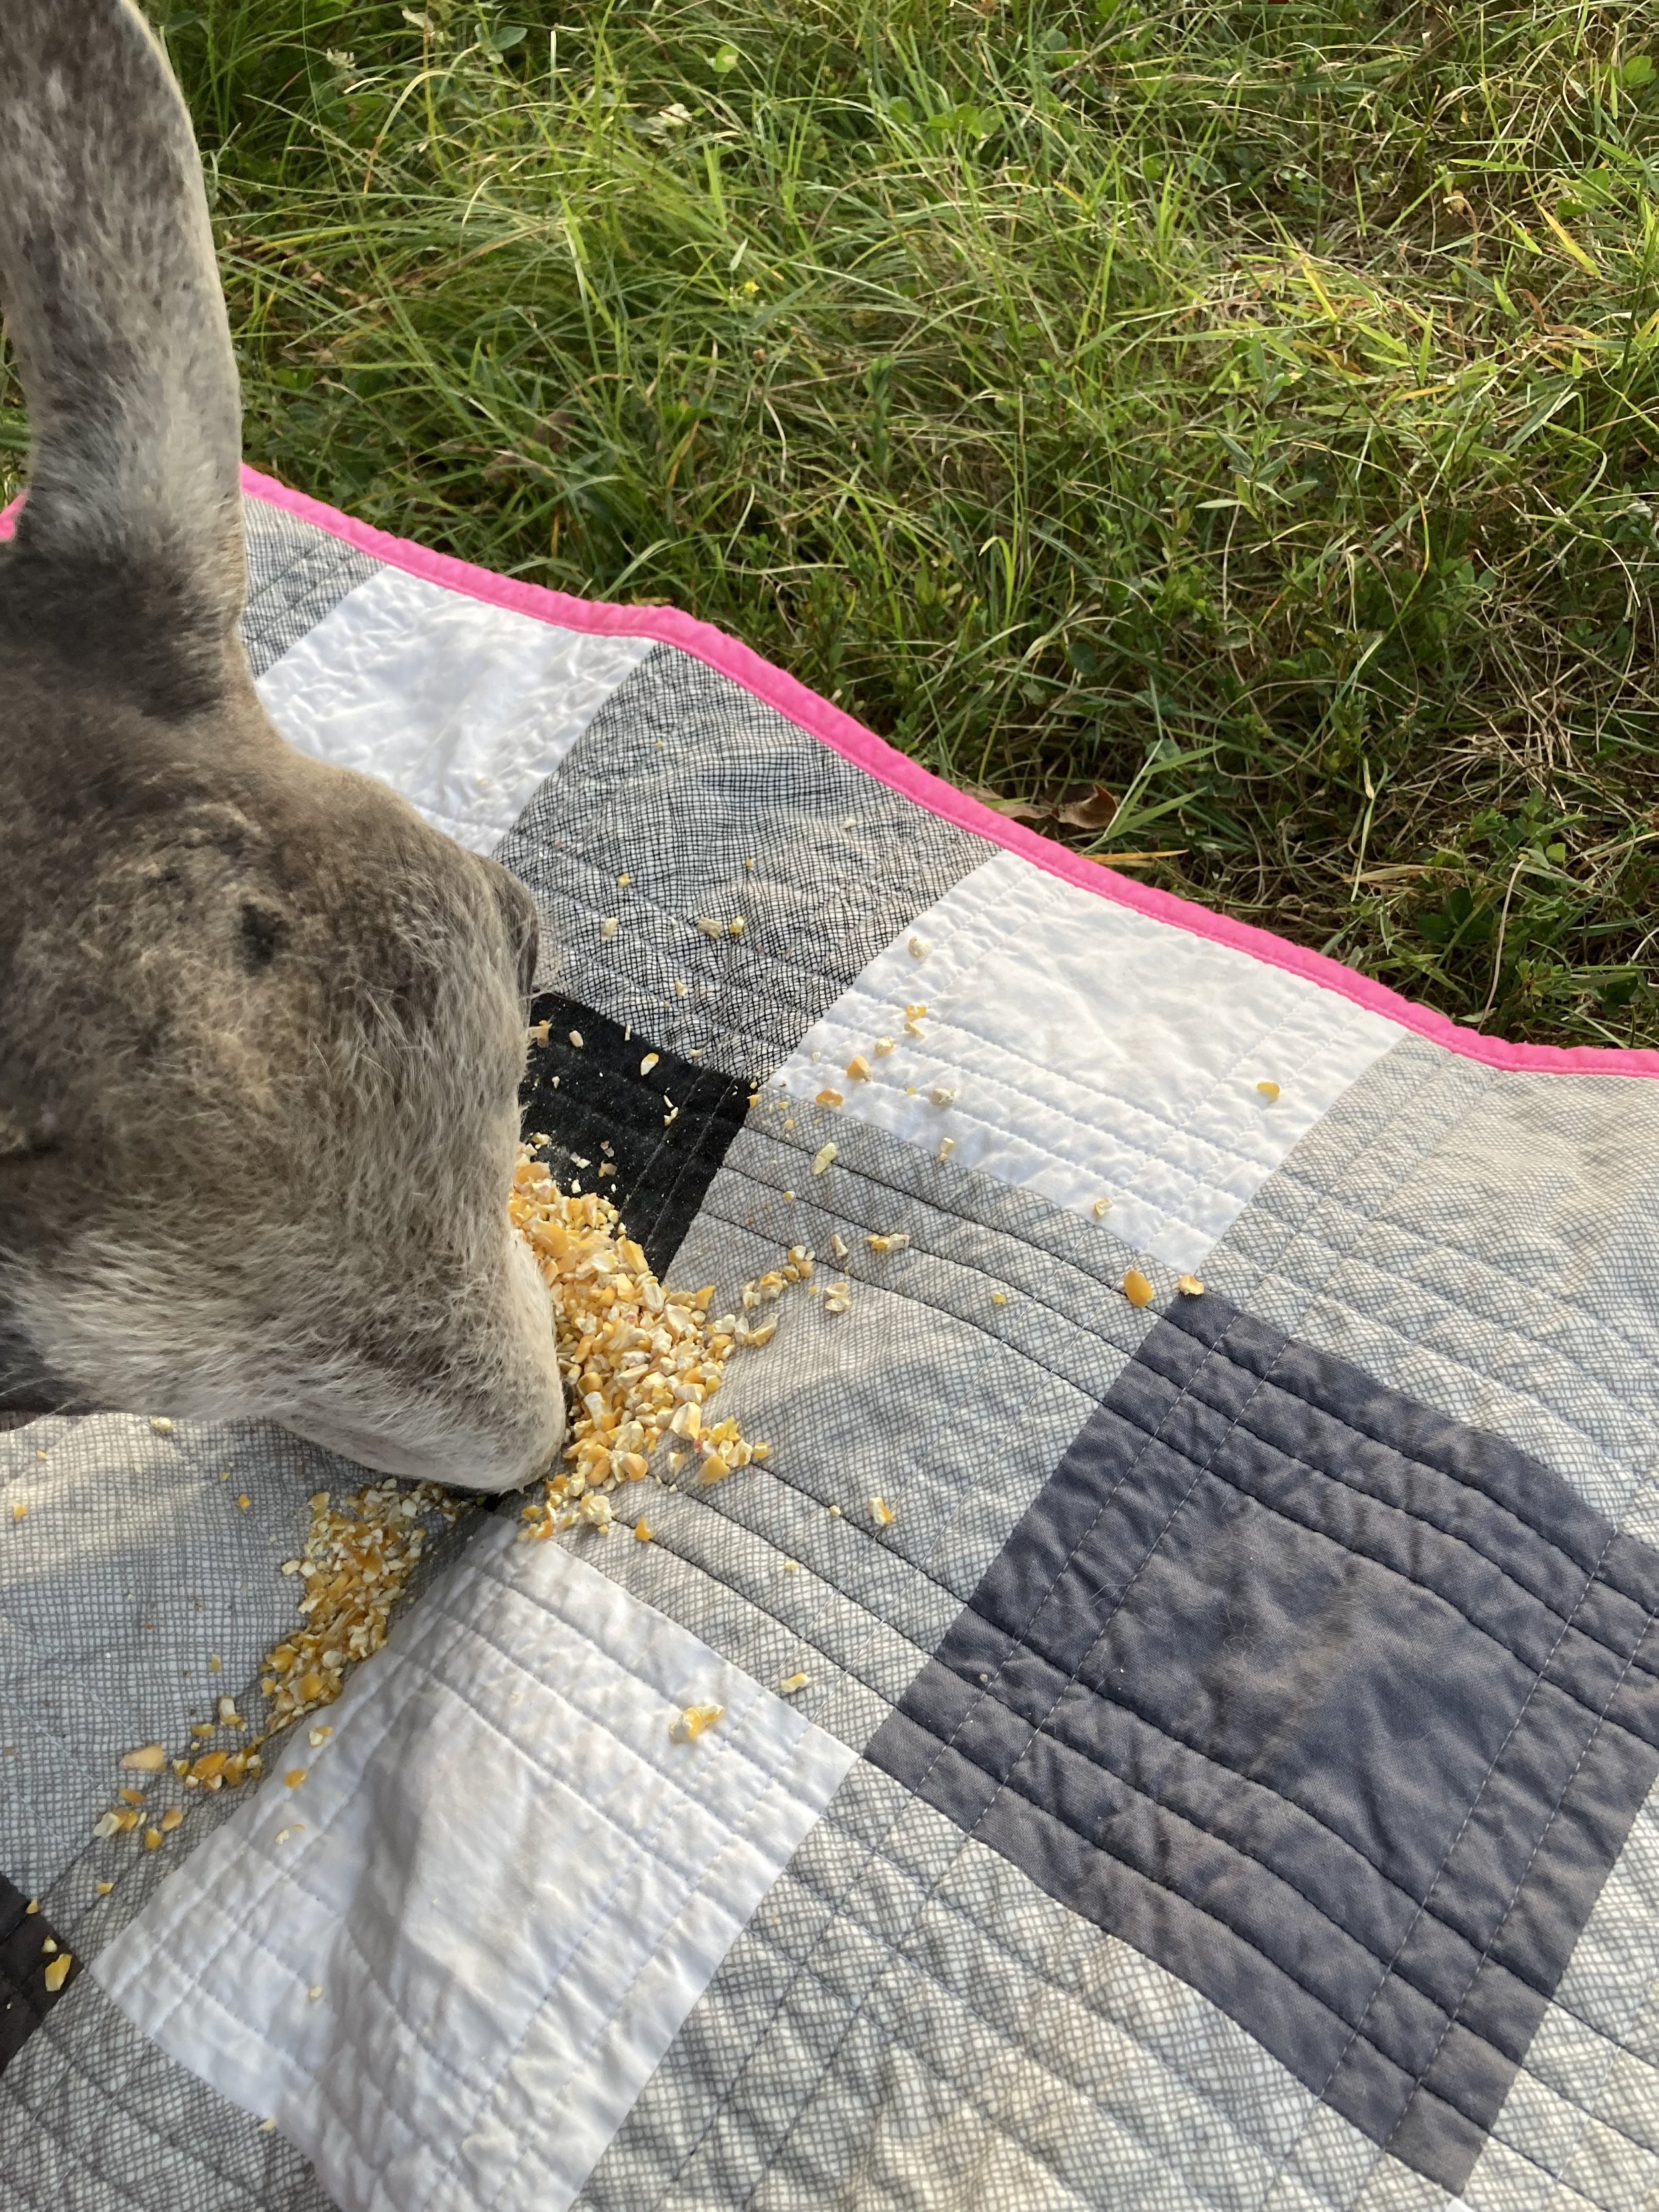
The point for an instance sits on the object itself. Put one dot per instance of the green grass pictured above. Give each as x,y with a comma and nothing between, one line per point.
1252,409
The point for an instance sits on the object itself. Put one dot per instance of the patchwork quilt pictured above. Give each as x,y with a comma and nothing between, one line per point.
1225,1781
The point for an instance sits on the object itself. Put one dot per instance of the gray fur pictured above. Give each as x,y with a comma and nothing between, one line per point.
261,1028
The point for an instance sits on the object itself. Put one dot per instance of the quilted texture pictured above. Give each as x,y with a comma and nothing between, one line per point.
1227,1779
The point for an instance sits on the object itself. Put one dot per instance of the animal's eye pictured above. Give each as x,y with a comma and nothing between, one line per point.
262,934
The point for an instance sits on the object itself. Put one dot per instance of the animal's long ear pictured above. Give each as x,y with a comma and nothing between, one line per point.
130,545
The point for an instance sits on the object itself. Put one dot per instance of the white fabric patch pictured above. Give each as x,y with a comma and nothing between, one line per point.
463,708
449,1959
1077,1048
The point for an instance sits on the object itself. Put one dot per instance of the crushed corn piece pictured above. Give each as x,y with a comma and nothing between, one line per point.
688,1726
576,1039
295,1776
881,1513
106,1825
315,1991
228,1716
947,1145
998,1297
1189,1286
1103,1206
882,1047
1269,1091
216,1664
859,1069
791,1684
148,1758
624,880
33,1906
709,926
920,948
58,1972
130,1796
915,1013
1137,1289
835,1512
319,1735
642,1532
359,1553
245,1501
894,1242
103,1888
822,1157
649,1063
608,926
791,1566
736,926
942,1095
19,1511
161,1425
152,1839
48,1944
838,1244
830,1098
173,1818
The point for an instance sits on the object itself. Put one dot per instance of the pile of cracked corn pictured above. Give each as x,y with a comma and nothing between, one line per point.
359,1553
642,1363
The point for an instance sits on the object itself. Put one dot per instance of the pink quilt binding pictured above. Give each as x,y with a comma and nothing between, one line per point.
839,731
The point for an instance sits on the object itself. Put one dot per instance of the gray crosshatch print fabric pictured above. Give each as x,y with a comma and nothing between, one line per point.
1486,1242
714,804
94,2118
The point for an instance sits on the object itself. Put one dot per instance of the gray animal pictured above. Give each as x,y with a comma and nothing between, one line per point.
261,1028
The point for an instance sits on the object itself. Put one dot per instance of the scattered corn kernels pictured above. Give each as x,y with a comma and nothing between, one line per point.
830,1098
1189,1286
1269,1091
148,1758
58,1972
920,948
688,1726
859,1069
1136,1288
793,1684
881,1513
822,1157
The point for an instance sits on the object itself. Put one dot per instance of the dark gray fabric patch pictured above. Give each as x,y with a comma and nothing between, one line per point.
650,1139
1337,1709
296,574
25,2000
714,804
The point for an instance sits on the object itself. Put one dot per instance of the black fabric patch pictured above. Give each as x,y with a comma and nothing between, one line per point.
1335,1708
25,2000
662,1133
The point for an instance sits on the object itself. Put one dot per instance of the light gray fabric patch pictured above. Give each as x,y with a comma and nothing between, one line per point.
908,2021
926,1392
296,574
715,805
132,1569
1483,1243
94,2118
